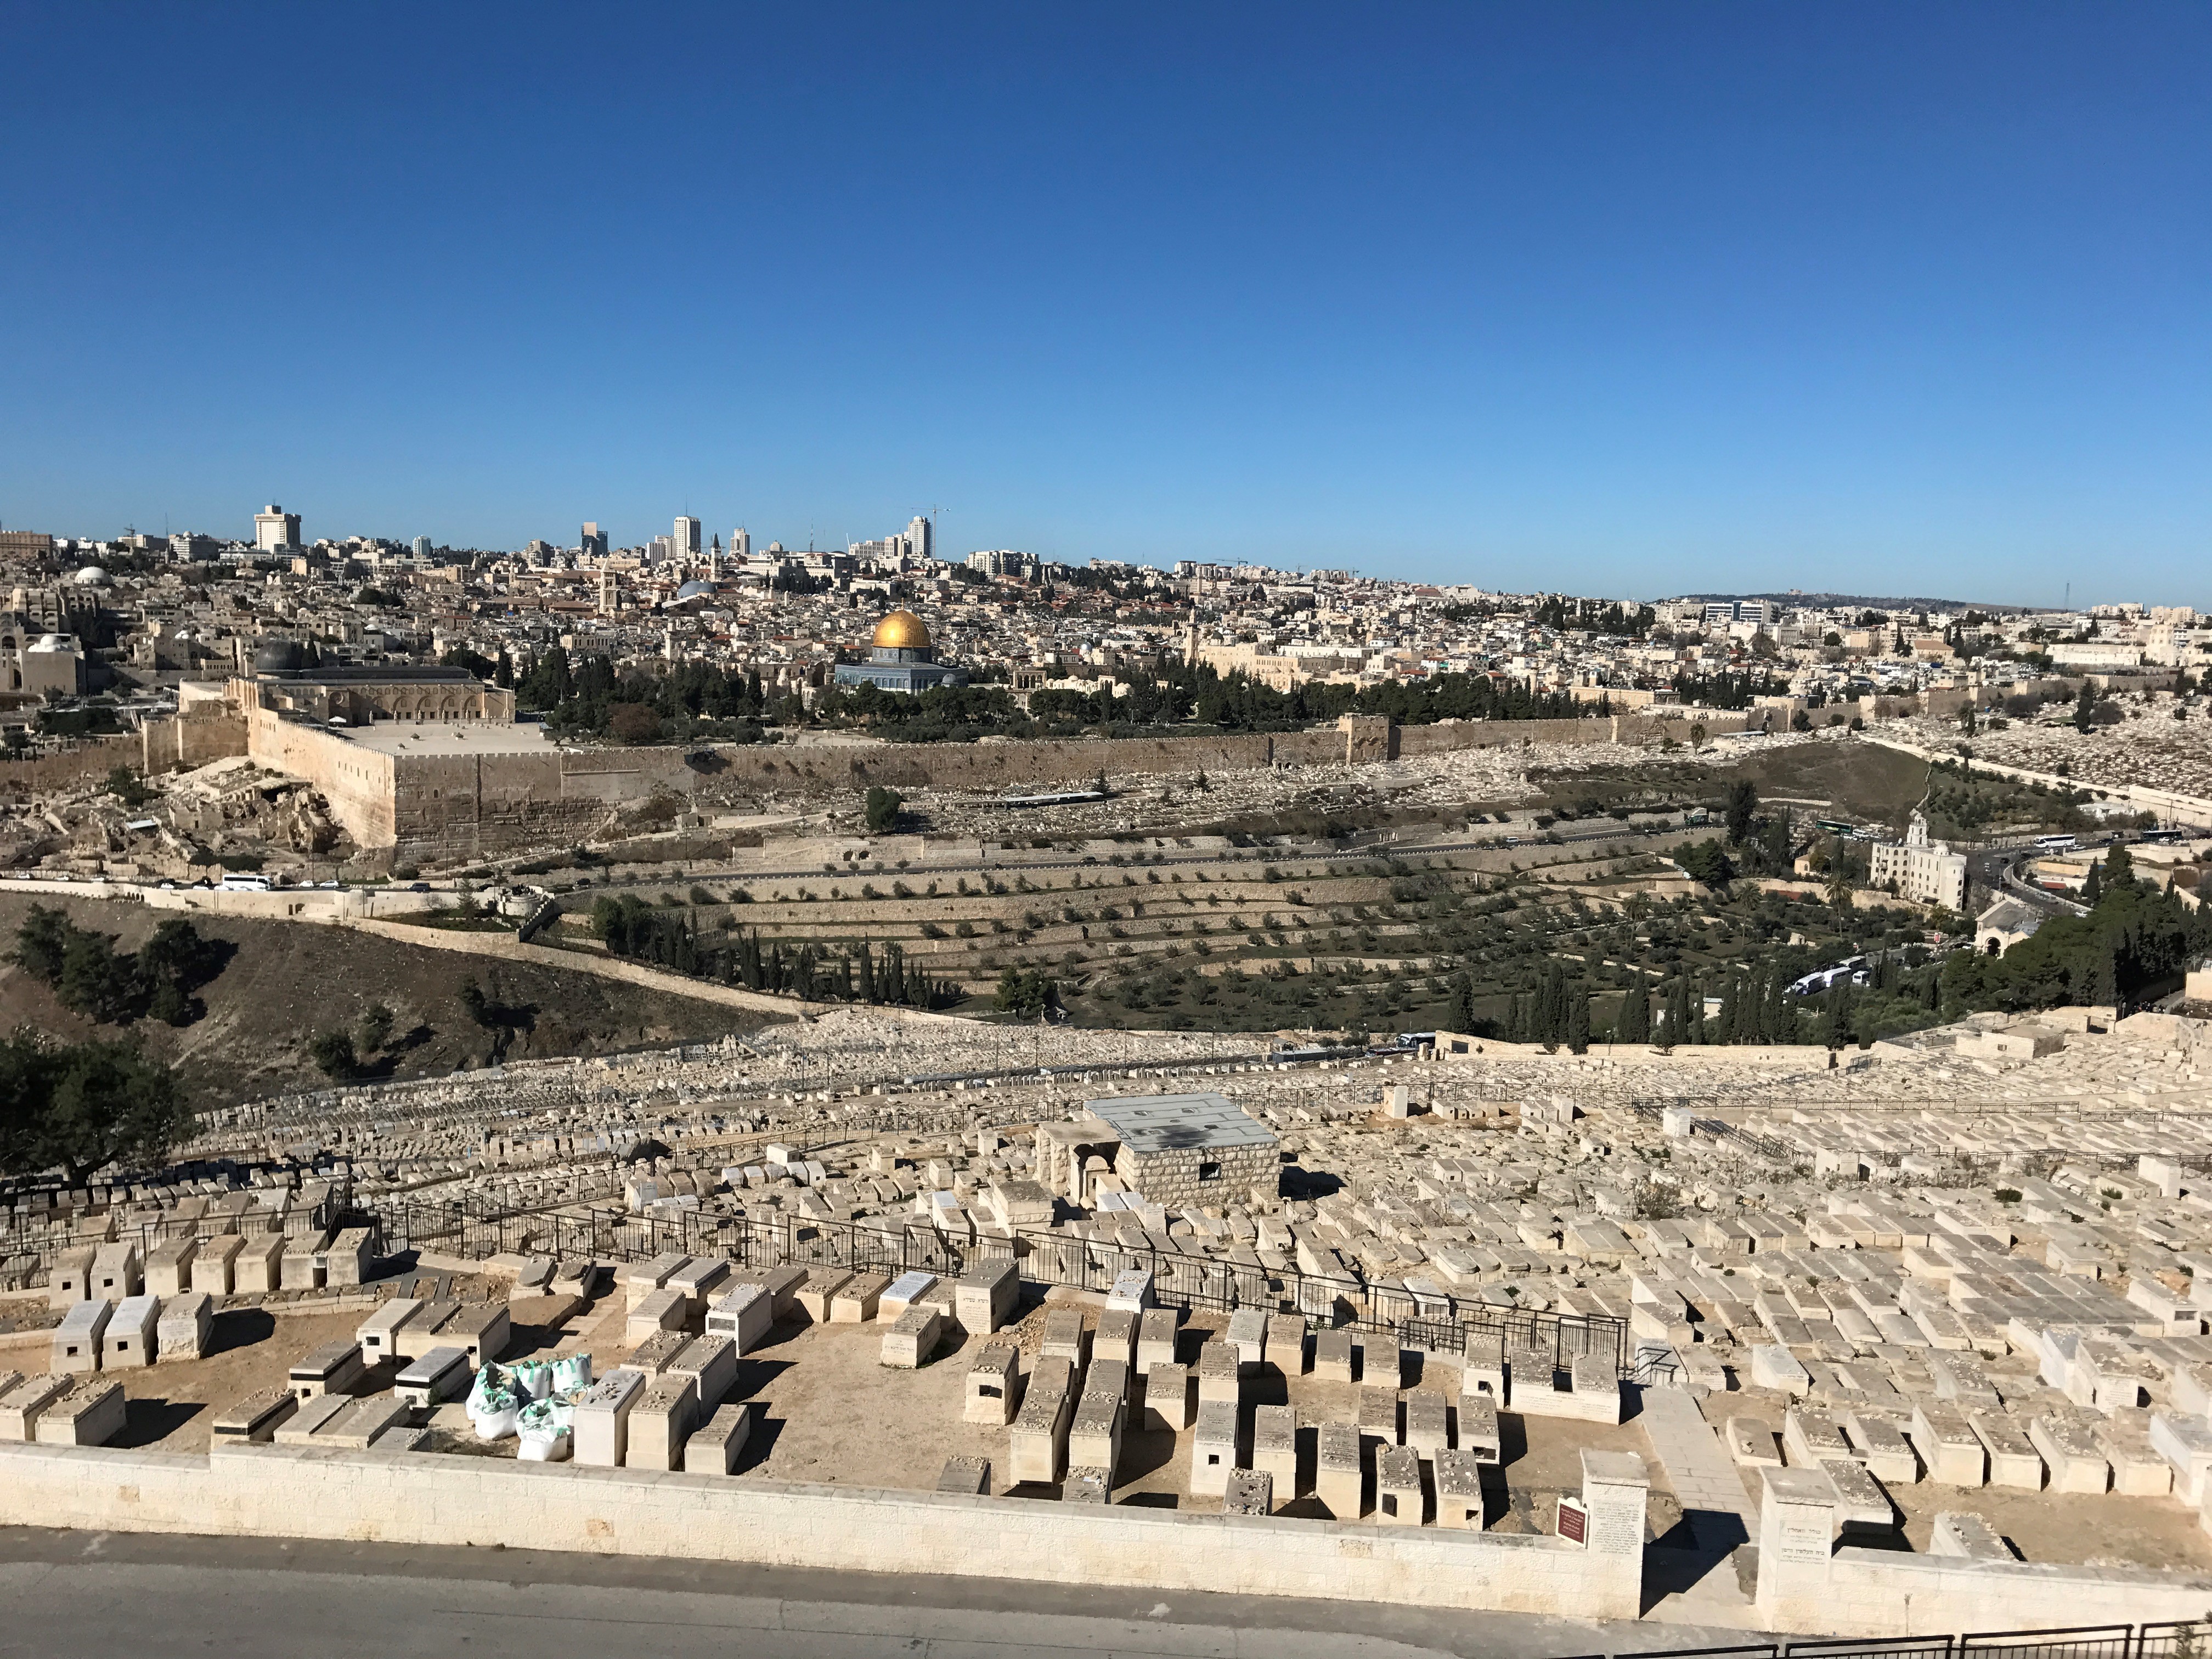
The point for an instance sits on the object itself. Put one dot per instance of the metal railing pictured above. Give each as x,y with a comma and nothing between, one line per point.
2187,1638
1043,1258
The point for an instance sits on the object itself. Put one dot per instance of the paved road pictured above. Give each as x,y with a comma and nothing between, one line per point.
117,1594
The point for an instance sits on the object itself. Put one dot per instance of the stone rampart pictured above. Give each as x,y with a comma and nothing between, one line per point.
283,1492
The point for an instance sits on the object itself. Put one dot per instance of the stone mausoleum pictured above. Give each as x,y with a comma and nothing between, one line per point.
903,659
1188,1149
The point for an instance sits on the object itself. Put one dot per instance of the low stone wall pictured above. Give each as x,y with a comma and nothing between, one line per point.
1864,1592
283,1492
1699,1056
1808,1587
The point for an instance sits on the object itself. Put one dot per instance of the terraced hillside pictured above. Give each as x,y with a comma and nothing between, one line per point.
1193,933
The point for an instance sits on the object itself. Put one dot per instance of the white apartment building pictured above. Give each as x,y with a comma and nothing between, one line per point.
1926,871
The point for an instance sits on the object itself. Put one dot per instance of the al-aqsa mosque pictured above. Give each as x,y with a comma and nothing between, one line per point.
901,660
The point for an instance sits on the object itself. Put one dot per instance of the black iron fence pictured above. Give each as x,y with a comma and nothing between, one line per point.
1425,1321
2182,1639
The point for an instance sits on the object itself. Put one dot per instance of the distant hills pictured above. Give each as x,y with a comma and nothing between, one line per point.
1874,602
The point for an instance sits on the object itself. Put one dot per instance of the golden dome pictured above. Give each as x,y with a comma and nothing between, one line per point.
902,631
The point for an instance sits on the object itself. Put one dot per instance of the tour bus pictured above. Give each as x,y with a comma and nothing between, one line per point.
238,883
2057,843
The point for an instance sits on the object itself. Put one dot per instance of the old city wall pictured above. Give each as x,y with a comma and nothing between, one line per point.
280,1491
355,782
187,741
96,758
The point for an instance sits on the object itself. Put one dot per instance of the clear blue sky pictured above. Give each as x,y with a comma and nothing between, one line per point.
1621,298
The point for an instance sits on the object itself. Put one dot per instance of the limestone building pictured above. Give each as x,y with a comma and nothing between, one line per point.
904,659
1926,871
1188,1149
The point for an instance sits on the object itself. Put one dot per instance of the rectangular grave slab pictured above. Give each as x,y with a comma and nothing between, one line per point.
440,1375
1169,1402
1213,1448
994,1390
90,1414
256,1418
711,1363
659,1423
1340,1477
336,1367
743,1315
1459,1490
602,1417
1398,1495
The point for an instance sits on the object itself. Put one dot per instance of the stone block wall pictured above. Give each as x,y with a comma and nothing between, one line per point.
1175,1177
422,1498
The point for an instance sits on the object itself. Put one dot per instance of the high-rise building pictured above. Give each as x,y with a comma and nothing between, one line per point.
594,544
274,530
920,536
659,550
741,543
686,538
422,547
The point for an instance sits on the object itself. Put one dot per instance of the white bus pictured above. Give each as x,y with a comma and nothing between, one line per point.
2057,843
235,882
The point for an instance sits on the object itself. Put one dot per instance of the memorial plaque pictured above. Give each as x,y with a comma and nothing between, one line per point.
1574,1521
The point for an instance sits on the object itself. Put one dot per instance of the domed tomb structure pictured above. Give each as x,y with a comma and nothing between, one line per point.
902,658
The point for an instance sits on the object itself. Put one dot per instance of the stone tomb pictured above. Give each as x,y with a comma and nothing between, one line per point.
1339,1471
77,1339
334,1368
1249,1491
602,1417
21,1405
186,1322
1399,1498
744,1314
711,1363
1066,1339
856,1299
716,1444
1275,1448
1115,1337
378,1333
90,1414
903,1293
169,1268
131,1333
660,1421
986,1296
911,1338
439,1375
665,1309
994,1390
819,1290
1168,1398
256,1417
1037,1443
1094,1437
1213,1447
1155,1338
1459,1490
214,1264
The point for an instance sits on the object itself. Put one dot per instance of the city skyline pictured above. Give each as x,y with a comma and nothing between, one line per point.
1725,300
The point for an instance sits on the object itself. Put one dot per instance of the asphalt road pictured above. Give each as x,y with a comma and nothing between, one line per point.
117,1594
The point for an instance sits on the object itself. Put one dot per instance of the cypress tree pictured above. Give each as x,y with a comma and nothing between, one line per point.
1633,1022
1579,1023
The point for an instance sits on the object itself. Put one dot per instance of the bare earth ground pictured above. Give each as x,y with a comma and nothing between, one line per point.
289,980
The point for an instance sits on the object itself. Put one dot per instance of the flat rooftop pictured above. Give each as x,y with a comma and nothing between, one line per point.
447,737
1165,1123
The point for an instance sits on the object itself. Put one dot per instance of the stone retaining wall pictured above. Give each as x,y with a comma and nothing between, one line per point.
281,1491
